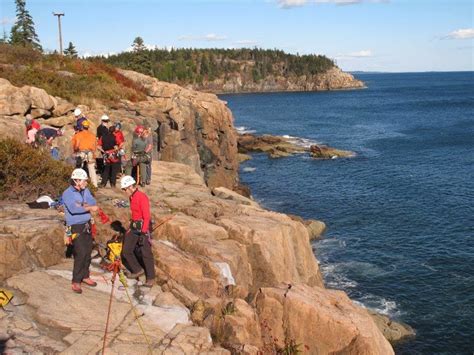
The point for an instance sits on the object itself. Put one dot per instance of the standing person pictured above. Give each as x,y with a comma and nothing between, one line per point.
138,234
149,151
46,137
31,128
120,139
112,163
102,129
140,157
78,205
84,144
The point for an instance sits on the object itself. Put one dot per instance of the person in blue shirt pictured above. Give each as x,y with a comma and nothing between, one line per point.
78,205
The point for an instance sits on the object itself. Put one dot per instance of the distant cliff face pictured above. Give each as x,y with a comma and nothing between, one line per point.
243,81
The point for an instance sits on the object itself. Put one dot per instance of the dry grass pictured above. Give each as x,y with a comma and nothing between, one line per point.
76,80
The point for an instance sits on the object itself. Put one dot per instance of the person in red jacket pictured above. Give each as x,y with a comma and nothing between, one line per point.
31,128
138,236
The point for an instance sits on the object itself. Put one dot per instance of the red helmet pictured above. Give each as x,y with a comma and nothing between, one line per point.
139,130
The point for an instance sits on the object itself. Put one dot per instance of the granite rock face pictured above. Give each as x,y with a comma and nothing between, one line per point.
188,127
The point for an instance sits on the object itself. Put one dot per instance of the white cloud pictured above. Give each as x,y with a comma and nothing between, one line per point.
463,33
287,4
7,21
360,54
209,37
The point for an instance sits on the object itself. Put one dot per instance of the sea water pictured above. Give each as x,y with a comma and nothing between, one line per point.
400,215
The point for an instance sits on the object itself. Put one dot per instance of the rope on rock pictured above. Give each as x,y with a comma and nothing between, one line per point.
116,268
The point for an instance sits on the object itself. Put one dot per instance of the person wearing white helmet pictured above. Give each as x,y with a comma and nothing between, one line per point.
103,127
138,235
80,118
102,130
78,205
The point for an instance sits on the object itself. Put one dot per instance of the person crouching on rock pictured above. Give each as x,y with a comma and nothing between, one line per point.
138,236
78,205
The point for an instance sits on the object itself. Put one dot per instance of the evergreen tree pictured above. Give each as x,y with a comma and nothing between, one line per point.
138,44
70,51
23,31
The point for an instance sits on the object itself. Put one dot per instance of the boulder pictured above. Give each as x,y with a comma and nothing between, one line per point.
235,325
39,98
35,242
392,331
320,151
13,101
317,321
315,228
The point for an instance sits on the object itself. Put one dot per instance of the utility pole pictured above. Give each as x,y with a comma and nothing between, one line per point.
60,34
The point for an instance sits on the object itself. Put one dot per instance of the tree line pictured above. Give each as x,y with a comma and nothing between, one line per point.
190,65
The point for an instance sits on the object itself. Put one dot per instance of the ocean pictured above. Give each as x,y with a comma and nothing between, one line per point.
400,215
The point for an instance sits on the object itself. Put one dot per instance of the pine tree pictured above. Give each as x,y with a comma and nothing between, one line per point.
23,31
138,44
70,51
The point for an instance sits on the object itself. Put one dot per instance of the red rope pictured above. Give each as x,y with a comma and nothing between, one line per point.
115,267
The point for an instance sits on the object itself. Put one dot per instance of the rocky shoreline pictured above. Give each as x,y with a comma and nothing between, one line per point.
232,276
279,146
333,79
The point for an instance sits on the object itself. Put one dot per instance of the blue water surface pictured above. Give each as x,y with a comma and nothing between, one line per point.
400,215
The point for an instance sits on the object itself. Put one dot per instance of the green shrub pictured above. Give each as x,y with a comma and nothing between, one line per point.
26,173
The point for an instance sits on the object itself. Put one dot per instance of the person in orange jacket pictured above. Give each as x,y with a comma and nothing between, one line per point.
84,145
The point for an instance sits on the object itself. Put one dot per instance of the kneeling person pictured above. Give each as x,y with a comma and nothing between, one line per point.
138,236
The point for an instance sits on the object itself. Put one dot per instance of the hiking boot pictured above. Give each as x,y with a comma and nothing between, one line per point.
90,282
76,287
149,283
135,275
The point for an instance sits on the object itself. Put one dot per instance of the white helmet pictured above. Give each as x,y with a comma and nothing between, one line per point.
127,181
79,174
104,118
77,112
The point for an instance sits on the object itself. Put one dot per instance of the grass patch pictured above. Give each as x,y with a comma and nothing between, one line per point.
76,80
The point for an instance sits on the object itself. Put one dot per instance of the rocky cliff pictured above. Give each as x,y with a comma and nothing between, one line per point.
333,79
232,276
189,127
228,270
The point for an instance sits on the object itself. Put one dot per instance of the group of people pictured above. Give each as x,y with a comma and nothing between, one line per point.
102,152
136,254
79,203
42,137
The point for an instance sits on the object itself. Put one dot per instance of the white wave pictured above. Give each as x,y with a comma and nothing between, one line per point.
378,304
249,169
243,129
299,141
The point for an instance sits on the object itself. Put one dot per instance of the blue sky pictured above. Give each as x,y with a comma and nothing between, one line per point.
369,35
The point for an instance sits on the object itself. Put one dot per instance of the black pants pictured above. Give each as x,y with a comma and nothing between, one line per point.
82,252
110,172
132,245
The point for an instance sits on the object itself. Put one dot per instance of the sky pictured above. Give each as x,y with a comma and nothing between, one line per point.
360,35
